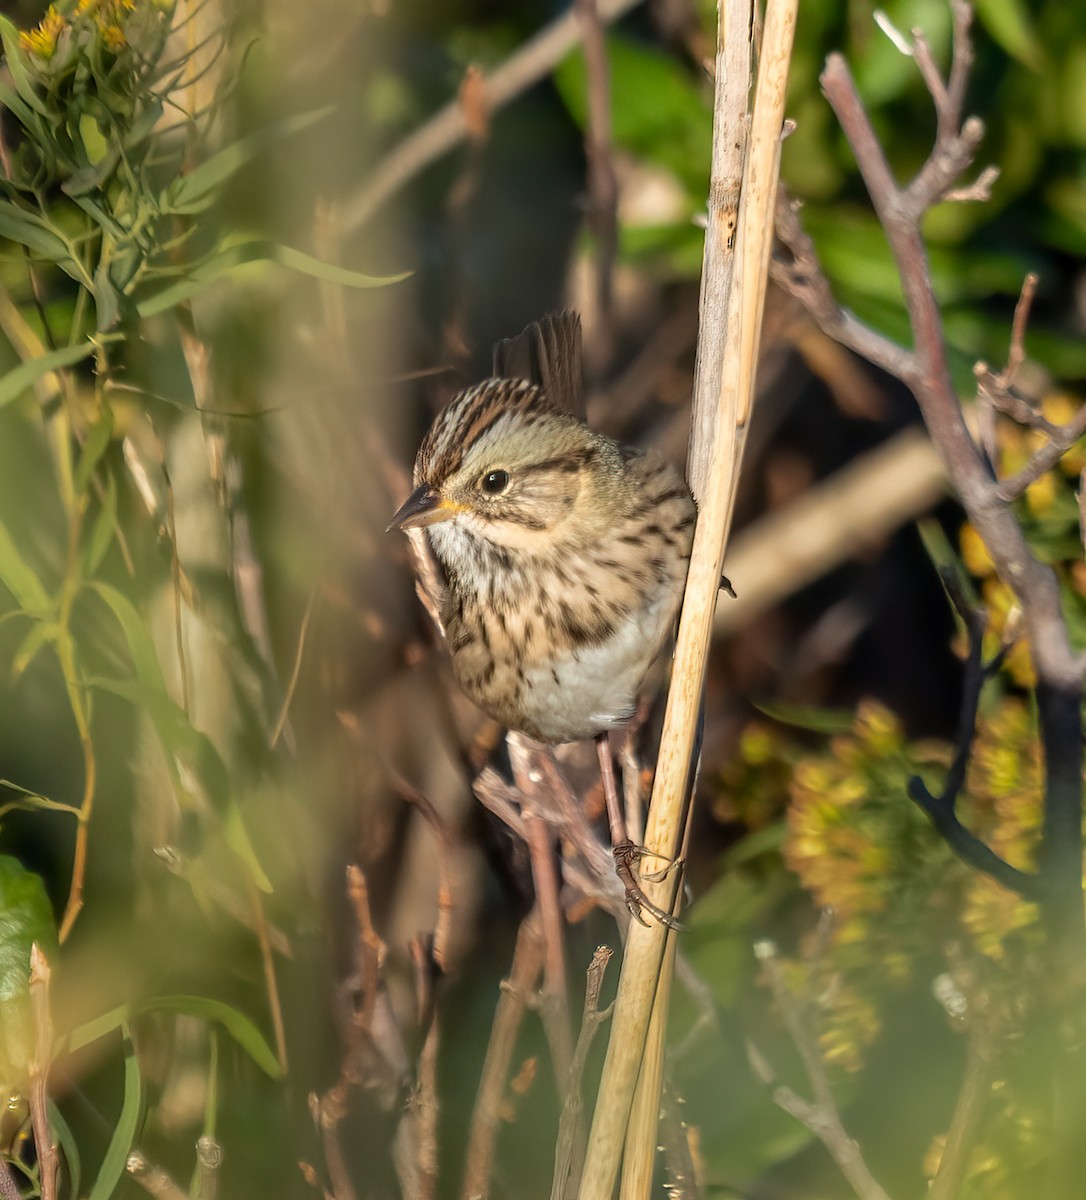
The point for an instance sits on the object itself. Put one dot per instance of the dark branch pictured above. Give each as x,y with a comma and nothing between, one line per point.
942,808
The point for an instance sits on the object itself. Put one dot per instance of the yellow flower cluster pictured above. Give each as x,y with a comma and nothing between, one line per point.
1004,789
42,41
1049,503
830,844
107,17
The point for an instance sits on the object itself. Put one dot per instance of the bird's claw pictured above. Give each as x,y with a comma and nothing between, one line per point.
627,854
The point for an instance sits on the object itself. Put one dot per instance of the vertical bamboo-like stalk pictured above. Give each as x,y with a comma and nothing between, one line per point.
641,968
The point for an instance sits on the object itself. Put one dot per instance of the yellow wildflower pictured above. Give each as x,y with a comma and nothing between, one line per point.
43,40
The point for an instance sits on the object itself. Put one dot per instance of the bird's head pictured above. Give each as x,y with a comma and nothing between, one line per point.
500,464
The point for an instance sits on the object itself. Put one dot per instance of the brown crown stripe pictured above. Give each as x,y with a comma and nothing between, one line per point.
469,415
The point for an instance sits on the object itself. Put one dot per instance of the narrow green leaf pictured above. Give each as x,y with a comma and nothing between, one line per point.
107,302
91,1031
236,1024
19,578
238,255
17,380
140,644
68,1147
41,634
197,189
10,100
13,56
124,1132
30,231
174,730
98,439
239,1026
802,716
295,260
103,530
237,838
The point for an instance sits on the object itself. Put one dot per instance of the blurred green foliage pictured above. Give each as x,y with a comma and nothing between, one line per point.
1025,82
115,225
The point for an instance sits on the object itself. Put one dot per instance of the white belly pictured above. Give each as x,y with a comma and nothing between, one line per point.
596,688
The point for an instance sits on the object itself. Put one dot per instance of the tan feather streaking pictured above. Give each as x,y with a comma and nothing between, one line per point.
565,552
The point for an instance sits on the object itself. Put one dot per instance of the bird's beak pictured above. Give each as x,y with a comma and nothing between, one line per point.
424,506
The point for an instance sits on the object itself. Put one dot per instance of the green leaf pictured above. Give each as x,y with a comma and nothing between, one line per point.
98,439
237,838
1009,23
19,578
661,110
12,102
68,1146
41,634
124,1132
30,231
239,1026
802,716
236,1024
238,255
196,190
26,918
103,530
17,380
13,57
140,644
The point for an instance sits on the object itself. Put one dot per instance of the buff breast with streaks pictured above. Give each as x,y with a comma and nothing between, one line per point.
565,553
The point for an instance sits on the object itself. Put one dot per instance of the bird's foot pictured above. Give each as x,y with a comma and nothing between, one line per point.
627,854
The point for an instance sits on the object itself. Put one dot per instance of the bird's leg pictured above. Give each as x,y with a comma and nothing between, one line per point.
626,852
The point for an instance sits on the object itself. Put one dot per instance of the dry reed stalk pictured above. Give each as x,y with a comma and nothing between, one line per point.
644,955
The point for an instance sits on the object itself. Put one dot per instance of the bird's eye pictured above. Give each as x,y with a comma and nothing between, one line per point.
494,482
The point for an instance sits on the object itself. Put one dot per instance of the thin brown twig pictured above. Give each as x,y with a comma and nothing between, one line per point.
569,1147
525,756
271,983
446,839
209,1158
512,1004
153,1179
602,180
448,127
968,1110
821,1116
423,1107
45,1146
295,671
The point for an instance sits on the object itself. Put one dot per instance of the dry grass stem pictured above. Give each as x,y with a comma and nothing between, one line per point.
645,946
513,1002
569,1151
730,108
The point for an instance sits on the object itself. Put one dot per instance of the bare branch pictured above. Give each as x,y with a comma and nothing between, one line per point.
512,1004
448,127
602,181
821,1116
569,1148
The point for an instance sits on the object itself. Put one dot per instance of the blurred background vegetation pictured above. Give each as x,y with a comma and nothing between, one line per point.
218,690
